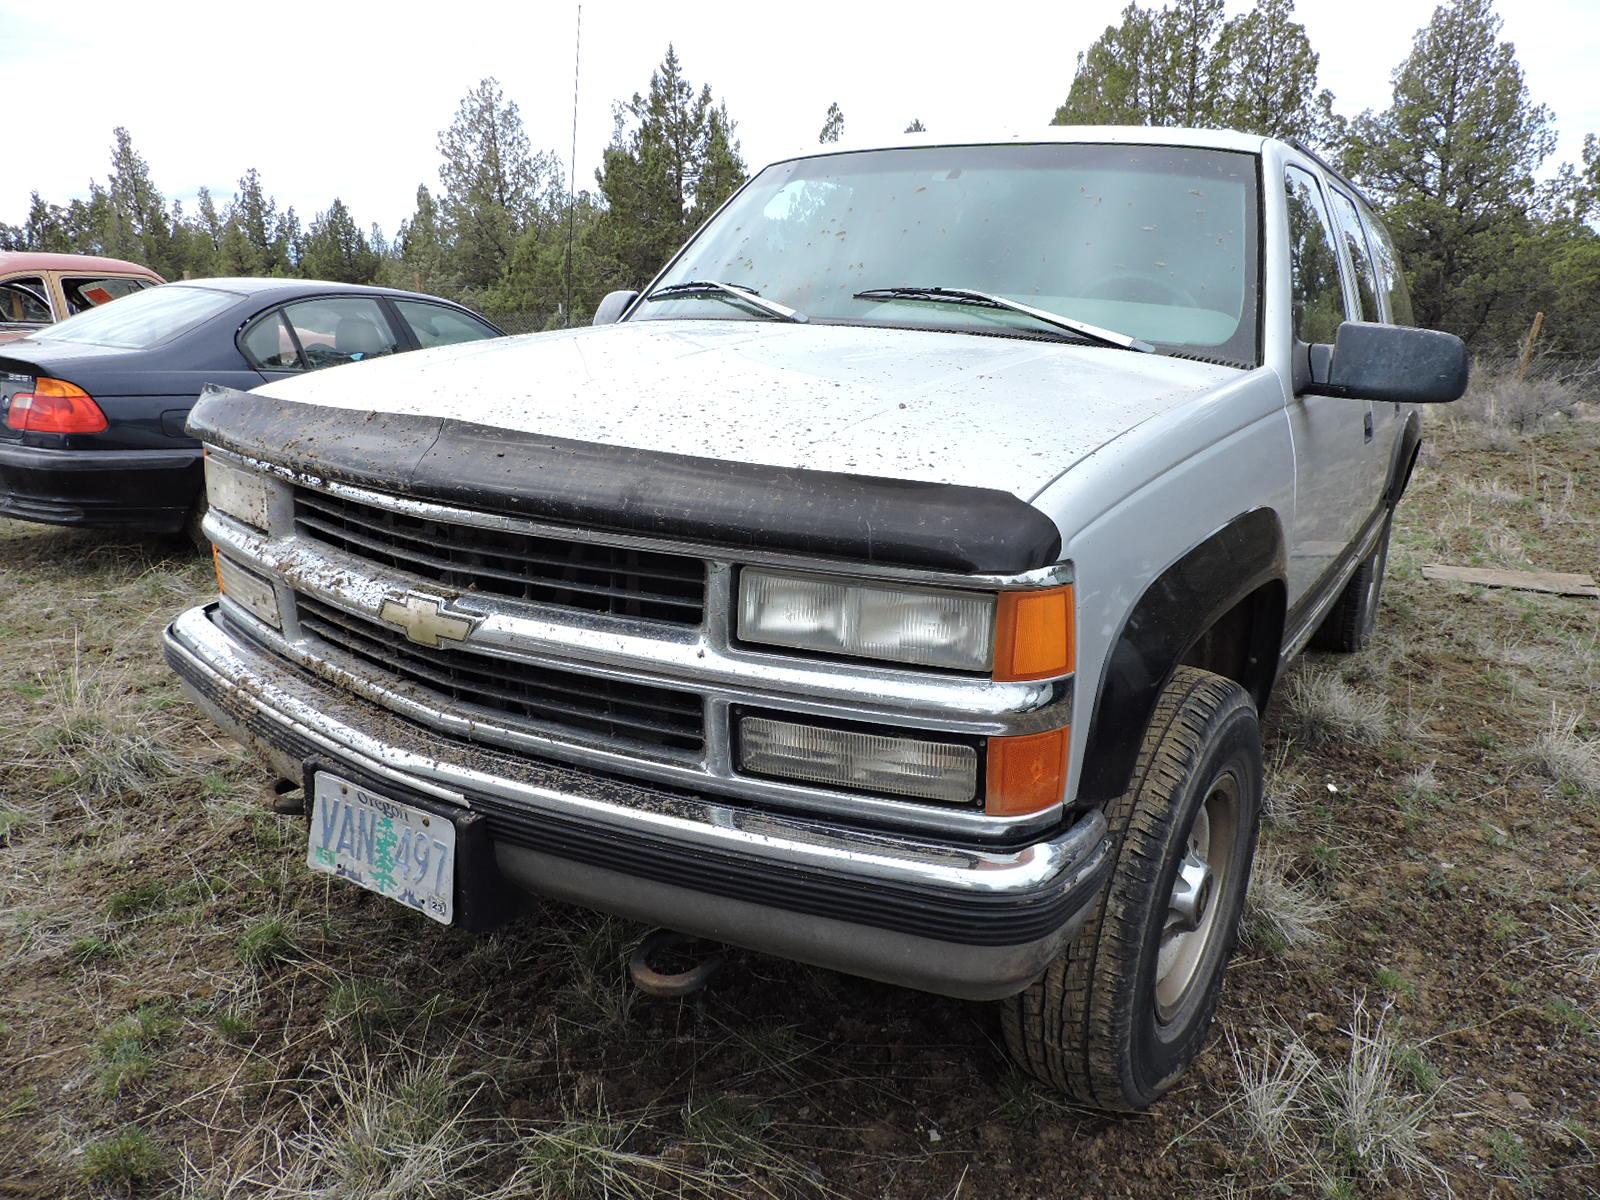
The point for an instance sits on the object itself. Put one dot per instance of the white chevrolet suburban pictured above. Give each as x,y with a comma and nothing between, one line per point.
894,584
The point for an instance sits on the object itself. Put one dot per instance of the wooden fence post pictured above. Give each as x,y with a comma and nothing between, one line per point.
1527,346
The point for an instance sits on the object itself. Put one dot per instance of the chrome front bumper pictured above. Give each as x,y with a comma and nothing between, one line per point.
973,923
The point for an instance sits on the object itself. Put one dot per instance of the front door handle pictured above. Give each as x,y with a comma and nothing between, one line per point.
1366,427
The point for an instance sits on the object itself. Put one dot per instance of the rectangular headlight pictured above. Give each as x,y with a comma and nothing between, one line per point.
922,626
247,589
242,495
860,761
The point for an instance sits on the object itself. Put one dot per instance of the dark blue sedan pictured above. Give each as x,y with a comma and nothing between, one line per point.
92,409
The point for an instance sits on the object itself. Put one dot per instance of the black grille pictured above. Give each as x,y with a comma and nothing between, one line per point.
546,570
557,701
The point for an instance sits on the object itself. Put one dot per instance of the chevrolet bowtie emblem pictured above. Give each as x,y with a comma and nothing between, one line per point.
425,620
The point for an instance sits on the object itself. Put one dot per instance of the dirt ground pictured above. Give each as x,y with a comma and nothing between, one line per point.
185,1010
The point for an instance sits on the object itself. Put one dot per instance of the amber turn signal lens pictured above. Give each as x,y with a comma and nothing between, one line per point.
1033,634
1026,774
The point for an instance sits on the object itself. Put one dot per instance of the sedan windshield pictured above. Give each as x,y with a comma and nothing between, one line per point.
141,320
1155,242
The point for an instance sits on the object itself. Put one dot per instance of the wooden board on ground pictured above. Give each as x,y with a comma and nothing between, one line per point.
1557,582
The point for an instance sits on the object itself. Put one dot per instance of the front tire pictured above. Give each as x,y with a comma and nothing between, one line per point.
1120,1015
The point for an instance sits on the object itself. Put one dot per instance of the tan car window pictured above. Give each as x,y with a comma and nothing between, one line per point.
86,292
24,301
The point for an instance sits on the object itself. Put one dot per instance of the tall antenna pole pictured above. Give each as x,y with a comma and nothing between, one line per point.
572,162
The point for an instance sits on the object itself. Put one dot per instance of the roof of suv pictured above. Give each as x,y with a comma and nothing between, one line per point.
1216,139
31,260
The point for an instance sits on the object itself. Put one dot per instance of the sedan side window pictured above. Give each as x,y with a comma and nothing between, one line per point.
24,301
436,325
341,329
269,345
1355,241
1315,290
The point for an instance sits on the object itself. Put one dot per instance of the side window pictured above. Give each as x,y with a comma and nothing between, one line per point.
436,325
269,346
1315,291
1391,279
1355,242
340,329
24,301
86,293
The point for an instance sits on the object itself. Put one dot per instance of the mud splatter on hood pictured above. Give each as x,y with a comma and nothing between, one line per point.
903,404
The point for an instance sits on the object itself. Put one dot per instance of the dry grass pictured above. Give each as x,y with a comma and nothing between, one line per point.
1562,755
1274,1101
1375,1117
1504,411
1281,913
1324,709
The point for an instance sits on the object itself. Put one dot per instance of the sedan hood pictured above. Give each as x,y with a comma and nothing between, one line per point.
934,407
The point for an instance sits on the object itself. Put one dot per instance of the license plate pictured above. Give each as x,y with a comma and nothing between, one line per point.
384,846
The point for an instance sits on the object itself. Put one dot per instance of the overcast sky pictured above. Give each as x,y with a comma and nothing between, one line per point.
340,98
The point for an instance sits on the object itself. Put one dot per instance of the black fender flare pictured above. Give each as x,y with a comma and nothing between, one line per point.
1246,557
1407,446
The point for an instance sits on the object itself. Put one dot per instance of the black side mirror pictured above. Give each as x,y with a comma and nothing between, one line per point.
1390,363
612,307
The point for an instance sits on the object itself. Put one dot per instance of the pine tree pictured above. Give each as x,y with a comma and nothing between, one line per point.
1268,77
136,225
1154,67
672,158
916,126
494,186
832,125
336,249
1455,156
48,227
421,262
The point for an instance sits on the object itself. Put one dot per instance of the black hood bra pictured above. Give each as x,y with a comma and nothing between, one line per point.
743,506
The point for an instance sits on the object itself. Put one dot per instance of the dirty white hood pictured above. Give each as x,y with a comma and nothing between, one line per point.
906,404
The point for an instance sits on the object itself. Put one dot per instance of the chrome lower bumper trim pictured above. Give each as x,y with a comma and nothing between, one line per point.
963,921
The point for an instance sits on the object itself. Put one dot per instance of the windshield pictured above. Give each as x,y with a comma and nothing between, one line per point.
1157,242
141,320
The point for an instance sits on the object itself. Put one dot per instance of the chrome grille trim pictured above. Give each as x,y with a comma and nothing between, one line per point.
570,572
554,701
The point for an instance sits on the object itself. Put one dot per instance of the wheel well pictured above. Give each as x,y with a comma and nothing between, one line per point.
1242,644
1221,607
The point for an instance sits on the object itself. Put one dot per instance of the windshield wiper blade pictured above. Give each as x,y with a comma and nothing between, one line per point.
715,287
944,295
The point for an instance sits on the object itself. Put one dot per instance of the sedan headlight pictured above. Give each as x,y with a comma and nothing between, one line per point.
894,624
241,494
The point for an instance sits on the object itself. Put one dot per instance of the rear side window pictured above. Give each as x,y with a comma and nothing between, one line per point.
1391,279
269,345
436,325
142,320
340,329
24,301
86,293
1315,290
1355,242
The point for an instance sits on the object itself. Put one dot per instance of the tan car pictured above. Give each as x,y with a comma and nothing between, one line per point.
40,289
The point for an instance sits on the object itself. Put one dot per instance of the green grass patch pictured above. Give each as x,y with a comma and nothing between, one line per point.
124,1160
126,1047
266,942
89,949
